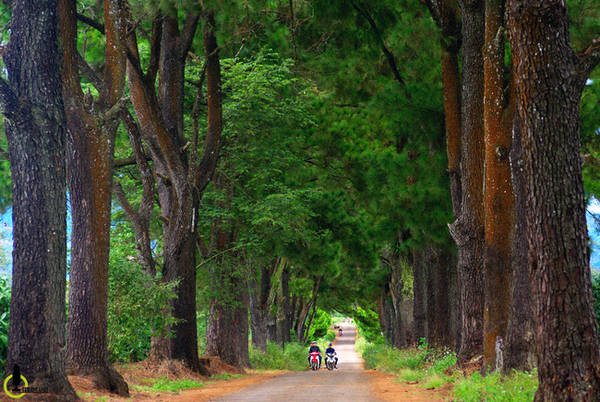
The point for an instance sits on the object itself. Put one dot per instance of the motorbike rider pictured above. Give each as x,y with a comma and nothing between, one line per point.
314,348
331,350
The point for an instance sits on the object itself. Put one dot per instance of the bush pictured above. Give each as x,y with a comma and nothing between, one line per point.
292,358
136,311
518,387
320,325
367,322
4,309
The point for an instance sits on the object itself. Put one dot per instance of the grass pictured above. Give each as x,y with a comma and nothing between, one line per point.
518,387
292,358
164,384
225,376
433,368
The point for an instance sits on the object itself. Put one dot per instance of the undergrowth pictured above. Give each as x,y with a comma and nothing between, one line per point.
433,368
292,358
517,387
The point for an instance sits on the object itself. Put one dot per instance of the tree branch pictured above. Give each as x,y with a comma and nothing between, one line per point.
154,49
187,35
590,58
389,56
89,21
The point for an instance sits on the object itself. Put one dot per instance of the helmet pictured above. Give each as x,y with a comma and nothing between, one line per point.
313,342
330,344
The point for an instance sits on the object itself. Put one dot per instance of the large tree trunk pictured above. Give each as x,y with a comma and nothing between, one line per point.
419,295
35,129
285,315
468,230
550,79
438,296
90,161
519,353
498,197
259,308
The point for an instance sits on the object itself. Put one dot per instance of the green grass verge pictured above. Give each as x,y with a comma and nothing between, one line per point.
518,387
433,368
292,358
163,384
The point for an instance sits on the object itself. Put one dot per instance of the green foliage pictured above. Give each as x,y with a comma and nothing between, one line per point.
320,325
292,358
596,294
138,304
368,324
4,319
518,387
225,376
385,358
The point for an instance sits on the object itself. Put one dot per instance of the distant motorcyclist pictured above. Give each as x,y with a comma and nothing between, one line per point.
314,348
331,350
340,332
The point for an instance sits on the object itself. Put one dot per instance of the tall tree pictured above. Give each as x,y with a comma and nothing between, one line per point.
181,178
498,194
468,228
550,77
35,128
92,128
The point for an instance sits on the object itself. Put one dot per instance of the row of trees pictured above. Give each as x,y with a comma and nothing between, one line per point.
319,182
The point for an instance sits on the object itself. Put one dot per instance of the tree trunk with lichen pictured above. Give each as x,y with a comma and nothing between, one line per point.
35,129
498,197
90,162
550,78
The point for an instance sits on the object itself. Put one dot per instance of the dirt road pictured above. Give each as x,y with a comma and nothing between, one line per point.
348,383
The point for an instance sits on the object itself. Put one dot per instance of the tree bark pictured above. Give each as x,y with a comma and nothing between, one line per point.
419,296
438,305
468,229
498,197
35,129
90,161
259,307
519,353
550,80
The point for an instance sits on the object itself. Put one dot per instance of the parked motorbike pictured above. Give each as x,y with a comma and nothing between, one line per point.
330,361
314,360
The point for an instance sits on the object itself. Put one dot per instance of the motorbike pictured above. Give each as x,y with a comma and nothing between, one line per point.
330,361
340,332
314,360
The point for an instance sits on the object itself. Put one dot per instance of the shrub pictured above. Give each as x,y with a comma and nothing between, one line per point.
136,311
320,325
518,387
4,309
292,358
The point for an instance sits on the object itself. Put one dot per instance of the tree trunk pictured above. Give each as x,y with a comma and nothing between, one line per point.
498,197
35,130
419,296
285,314
90,161
227,332
550,80
519,353
181,180
468,229
259,308
438,305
